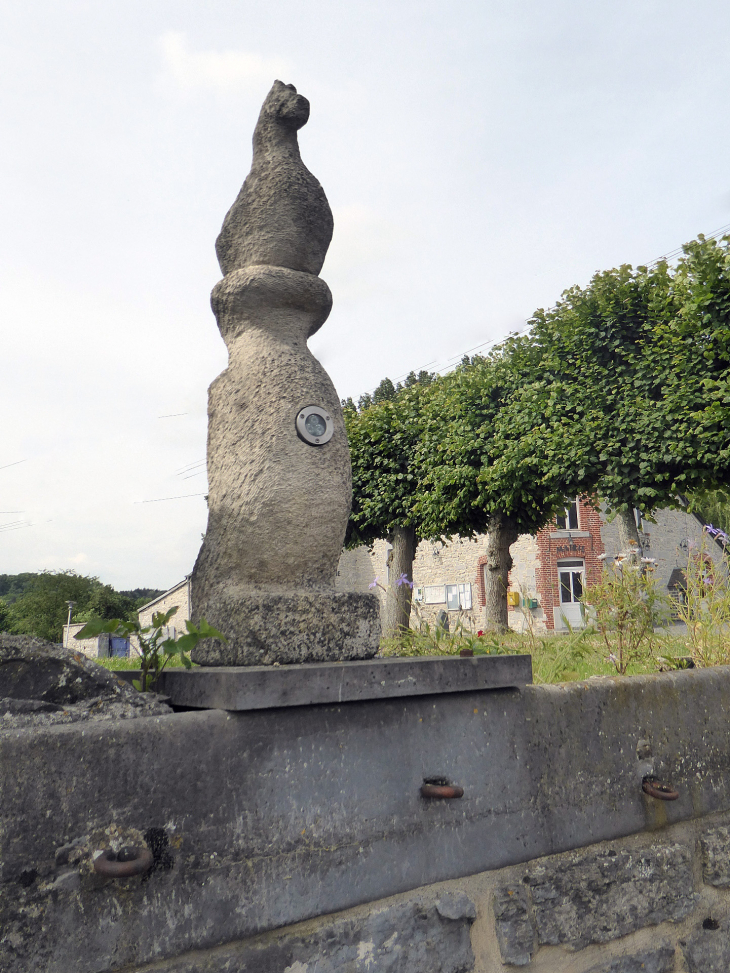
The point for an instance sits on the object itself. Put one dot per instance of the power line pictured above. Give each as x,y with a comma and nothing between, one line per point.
496,341
181,497
13,464
190,466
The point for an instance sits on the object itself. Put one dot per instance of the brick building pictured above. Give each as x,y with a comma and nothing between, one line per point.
550,570
106,645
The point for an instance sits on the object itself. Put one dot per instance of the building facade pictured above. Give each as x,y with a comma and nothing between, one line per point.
550,571
104,646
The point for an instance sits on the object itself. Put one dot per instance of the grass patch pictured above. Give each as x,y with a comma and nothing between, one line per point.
575,656
133,662
555,658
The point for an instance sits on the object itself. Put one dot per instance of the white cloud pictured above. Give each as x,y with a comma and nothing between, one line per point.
361,237
222,72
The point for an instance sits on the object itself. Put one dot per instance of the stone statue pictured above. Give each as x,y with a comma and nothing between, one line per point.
279,473
281,217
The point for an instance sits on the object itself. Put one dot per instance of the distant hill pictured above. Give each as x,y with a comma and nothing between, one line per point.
140,596
14,586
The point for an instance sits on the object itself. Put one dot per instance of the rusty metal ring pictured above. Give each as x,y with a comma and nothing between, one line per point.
441,791
110,866
659,790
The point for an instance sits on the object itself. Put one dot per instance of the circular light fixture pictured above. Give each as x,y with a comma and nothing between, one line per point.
315,425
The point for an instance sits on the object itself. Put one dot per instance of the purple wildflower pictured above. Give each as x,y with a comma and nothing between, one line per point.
404,580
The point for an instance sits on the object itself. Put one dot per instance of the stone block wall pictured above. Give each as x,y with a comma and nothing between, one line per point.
525,579
666,541
177,597
651,903
88,647
260,819
437,564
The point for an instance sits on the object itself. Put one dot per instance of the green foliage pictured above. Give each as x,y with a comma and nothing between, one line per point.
695,344
42,611
38,606
387,391
13,586
105,602
713,507
141,596
125,663
593,402
385,478
631,380
627,607
562,658
5,616
473,466
156,647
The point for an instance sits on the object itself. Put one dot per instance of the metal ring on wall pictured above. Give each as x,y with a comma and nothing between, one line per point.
129,861
440,788
657,789
314,425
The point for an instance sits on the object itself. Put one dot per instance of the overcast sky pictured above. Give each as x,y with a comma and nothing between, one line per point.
479,157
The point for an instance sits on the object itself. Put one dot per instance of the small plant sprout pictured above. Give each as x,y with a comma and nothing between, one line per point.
156,647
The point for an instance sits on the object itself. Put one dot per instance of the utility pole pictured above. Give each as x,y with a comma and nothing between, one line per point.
71,605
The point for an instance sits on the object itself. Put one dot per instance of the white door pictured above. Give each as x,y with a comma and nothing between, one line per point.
571,578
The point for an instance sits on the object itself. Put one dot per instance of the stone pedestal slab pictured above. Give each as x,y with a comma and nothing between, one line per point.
268,687
298,626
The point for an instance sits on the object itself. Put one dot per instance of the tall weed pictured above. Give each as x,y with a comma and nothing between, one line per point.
627,606
703,604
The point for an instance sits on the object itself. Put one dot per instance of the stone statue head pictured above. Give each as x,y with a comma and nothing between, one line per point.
283,106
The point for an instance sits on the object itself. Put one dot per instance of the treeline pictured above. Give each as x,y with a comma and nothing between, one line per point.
36,604
621,391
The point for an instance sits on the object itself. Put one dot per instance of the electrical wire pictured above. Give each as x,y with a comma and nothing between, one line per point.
496,341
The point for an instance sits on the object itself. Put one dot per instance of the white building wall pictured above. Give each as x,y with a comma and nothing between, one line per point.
178,597
667,541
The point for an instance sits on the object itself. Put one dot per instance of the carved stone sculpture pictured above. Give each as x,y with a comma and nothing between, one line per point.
279,474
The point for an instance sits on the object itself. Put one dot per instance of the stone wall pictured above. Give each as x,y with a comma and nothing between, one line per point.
88,647
524,578
178,597
667,541
259,819
437,564
657,903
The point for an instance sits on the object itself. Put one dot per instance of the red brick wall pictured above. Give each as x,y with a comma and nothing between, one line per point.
553,549
479,582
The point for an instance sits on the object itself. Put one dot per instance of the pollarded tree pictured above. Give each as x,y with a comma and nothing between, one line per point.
587,403
383,440
469,484
626,365
695,349
628,389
